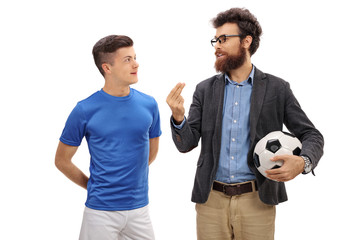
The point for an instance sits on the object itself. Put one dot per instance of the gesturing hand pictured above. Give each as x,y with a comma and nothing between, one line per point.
176,103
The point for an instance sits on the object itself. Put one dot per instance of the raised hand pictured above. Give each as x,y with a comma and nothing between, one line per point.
176,103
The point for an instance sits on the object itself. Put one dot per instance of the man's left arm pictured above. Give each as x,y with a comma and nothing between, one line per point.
154,147
312,141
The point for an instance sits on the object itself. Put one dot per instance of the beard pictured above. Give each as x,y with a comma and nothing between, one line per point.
230,62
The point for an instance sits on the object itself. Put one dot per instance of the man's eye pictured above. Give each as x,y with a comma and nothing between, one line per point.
222,39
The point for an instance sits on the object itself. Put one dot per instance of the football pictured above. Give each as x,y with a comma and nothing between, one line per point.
273,144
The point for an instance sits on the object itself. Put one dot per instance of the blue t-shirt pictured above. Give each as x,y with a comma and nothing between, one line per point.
117,130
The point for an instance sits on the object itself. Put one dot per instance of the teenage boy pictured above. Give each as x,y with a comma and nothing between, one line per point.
122,129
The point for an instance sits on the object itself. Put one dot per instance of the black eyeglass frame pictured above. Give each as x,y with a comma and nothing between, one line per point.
214,40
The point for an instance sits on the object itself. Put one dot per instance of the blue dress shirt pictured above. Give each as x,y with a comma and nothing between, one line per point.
235,136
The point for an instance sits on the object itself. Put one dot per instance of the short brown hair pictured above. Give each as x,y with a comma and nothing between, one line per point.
103,50
246,21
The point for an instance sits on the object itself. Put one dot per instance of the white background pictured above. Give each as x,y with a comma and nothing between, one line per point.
46,66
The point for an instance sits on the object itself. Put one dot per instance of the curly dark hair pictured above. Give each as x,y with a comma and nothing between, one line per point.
103,51
246,21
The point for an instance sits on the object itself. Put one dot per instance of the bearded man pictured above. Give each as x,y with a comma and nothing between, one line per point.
231,112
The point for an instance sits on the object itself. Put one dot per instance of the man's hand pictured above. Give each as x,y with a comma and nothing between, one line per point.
293,166
176,103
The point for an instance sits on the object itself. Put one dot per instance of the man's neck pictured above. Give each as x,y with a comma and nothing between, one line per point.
242,73
116,90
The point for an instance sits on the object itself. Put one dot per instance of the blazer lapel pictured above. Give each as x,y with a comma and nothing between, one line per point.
257,99
218,101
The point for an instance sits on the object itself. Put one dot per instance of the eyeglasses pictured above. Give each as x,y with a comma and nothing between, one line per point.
222,39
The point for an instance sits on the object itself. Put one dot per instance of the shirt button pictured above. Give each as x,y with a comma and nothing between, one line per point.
237,86
236,103
233,139
234,121
232,176
232,157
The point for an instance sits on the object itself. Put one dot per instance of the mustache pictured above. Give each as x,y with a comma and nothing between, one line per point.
219,52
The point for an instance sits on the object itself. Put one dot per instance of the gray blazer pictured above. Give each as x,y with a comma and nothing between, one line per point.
272,105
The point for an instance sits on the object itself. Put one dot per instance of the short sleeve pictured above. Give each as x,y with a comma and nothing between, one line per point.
74,130
155,129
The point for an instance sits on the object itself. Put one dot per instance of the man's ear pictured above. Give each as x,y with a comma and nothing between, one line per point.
106,67
247,41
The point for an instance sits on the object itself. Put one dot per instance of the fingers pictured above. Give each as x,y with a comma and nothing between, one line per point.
176,102
277,175
288,171
174,99
176,91
180,100
280,158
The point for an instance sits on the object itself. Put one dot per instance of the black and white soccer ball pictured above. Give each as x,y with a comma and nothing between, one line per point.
273,144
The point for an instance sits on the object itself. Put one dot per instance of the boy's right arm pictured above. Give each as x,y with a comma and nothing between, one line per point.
63,162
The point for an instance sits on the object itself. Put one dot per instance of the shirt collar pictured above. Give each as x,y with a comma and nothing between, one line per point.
249,80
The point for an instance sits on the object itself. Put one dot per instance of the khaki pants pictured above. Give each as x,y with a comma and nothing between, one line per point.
241,217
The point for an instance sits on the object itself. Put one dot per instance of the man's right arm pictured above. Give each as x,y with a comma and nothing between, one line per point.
176,103
186,134
63,157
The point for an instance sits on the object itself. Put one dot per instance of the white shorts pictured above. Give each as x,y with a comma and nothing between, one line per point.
116,225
